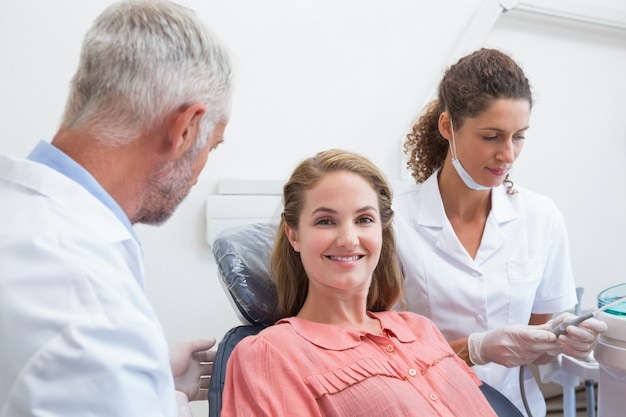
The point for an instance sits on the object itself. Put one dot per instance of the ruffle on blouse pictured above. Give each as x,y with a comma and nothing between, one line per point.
430,355
336,380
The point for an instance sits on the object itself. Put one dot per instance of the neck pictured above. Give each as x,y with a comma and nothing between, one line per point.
120,169
458,200
342,312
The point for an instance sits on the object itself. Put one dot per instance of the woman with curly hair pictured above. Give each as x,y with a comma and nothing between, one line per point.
487,261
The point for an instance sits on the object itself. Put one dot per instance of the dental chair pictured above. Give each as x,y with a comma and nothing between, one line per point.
242,257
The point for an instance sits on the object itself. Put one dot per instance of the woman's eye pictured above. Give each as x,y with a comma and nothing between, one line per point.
366,220
323,222
519,137
490,138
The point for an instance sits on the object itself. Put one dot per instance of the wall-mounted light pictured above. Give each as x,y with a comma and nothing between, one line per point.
486,16
575,10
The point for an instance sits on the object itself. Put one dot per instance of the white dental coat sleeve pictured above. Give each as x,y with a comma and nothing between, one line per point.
522,267
77,334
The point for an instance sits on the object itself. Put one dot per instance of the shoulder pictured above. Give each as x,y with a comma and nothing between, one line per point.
534,198
403,200
411,192
533,204
412,196
64,229
417,324
277,341
273,335
412,318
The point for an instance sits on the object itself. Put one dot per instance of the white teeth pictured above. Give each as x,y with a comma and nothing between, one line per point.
344,259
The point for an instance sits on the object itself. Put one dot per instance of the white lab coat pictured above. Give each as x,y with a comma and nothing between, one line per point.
77,334
522,266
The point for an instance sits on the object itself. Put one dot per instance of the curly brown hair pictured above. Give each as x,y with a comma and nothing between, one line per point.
285,263
467,89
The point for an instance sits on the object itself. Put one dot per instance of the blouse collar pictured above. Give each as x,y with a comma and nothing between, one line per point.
333,337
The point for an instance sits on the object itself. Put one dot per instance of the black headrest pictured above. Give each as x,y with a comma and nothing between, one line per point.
242,255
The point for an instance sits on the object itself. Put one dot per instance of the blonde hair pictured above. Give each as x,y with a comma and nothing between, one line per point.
285,263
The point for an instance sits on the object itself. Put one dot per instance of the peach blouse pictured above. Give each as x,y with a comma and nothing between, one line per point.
303,368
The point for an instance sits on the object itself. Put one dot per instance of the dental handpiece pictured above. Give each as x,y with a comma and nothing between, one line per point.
561,328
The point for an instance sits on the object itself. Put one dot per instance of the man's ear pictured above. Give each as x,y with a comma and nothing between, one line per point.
183,131
445,125
292,236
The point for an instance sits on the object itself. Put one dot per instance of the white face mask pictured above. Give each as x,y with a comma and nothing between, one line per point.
469,181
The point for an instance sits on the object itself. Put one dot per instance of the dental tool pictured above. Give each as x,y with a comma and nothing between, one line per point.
561,328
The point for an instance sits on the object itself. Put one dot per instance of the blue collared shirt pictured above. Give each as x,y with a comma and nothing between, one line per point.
47,154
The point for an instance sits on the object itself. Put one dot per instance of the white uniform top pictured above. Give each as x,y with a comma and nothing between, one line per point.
522,266
77,334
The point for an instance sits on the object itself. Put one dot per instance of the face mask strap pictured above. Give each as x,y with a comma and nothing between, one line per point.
458,167
453,147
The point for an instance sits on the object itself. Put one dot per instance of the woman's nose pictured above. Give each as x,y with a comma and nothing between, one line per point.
507,151
347,238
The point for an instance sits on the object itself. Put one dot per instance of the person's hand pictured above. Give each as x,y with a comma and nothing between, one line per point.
578,341
512,345
192,365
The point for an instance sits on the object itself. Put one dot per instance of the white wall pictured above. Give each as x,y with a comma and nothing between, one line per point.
351,74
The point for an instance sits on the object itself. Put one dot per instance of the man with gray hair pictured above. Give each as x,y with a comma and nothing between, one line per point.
149,101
